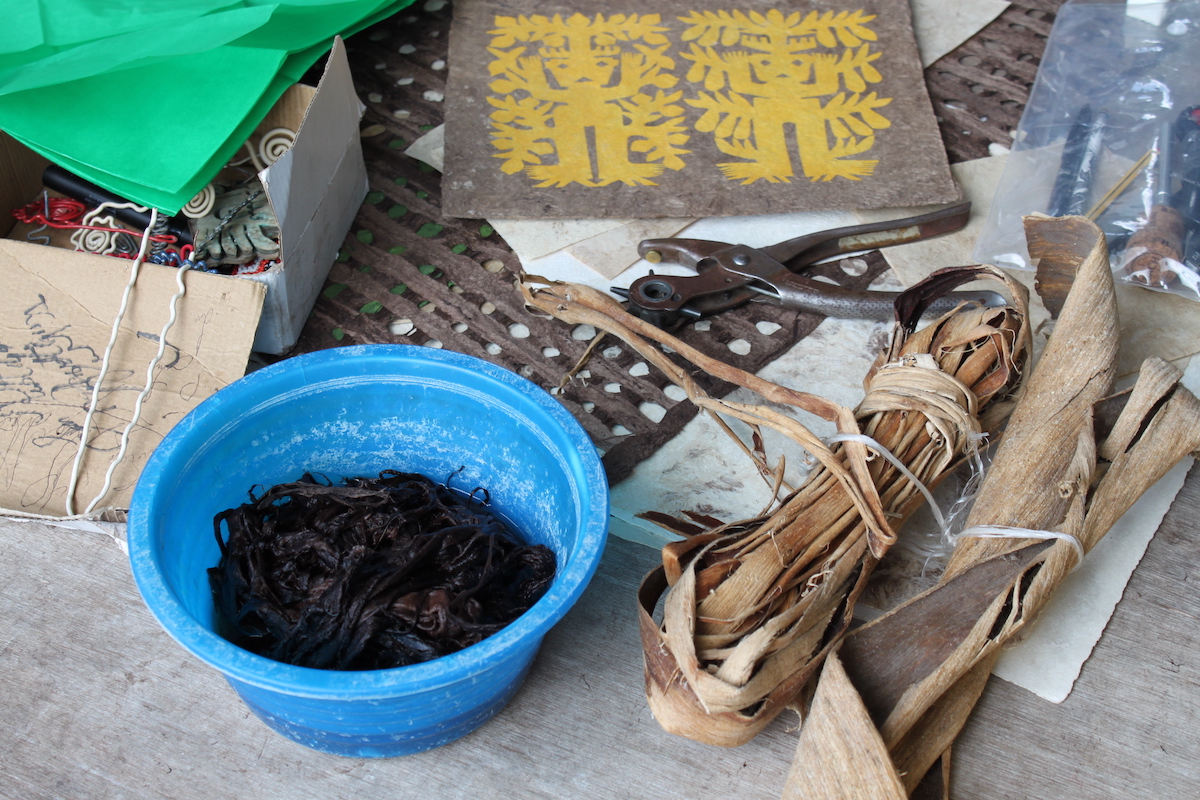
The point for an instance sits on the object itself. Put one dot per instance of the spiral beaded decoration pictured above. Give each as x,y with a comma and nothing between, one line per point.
95,241
274,144
202,204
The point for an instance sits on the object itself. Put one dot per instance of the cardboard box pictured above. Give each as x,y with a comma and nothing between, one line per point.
315,190
57,309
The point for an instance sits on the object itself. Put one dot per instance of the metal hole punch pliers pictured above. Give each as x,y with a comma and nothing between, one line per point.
728,276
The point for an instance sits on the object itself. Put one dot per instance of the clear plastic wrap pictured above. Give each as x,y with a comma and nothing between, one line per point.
1112,132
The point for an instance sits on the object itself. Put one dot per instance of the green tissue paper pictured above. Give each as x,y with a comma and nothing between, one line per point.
150,99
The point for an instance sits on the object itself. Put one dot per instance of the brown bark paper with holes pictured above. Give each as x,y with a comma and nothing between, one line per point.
705,108
56,314
1072,461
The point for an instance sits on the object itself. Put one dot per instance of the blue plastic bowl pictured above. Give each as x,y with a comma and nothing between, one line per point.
358,411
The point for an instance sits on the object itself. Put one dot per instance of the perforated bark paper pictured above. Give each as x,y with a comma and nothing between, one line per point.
705,108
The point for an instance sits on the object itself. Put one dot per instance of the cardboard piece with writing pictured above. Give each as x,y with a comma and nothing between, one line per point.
56,316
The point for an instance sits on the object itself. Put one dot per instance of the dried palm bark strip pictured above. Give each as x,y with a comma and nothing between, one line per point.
920,669
754,605
795,579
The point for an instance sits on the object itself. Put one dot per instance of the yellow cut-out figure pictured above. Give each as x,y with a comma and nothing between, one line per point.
766,73
581,100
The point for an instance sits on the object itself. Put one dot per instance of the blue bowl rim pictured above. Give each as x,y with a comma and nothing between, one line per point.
243,666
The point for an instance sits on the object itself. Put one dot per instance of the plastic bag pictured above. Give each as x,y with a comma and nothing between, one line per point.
1112,132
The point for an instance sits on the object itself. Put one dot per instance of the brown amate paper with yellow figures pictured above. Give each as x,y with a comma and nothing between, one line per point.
686,109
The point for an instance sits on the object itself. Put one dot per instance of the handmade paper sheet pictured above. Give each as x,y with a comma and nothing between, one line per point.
681,110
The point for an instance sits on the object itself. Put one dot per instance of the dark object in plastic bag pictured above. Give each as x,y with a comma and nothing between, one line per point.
373,574
1077,171
1136,64
1187,131
1157,247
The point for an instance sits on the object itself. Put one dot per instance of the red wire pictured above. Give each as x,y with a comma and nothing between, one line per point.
64,212
253,269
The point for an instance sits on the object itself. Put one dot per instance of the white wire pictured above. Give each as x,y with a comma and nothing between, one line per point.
1010,532
254,159
975,531
862,438
112,340
137,406
90,513
91,516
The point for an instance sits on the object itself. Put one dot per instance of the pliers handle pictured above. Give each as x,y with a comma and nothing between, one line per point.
731,275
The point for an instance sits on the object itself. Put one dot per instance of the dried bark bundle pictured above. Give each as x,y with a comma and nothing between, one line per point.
373,574
907,682
754,605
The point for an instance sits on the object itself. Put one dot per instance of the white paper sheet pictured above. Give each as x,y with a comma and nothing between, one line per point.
942,25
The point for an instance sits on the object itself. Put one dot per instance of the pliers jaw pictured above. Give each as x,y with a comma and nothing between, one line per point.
654,304
670,301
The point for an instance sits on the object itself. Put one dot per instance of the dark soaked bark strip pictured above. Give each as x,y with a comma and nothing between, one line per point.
372,574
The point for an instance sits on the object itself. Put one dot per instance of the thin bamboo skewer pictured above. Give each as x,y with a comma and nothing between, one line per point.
1112,194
